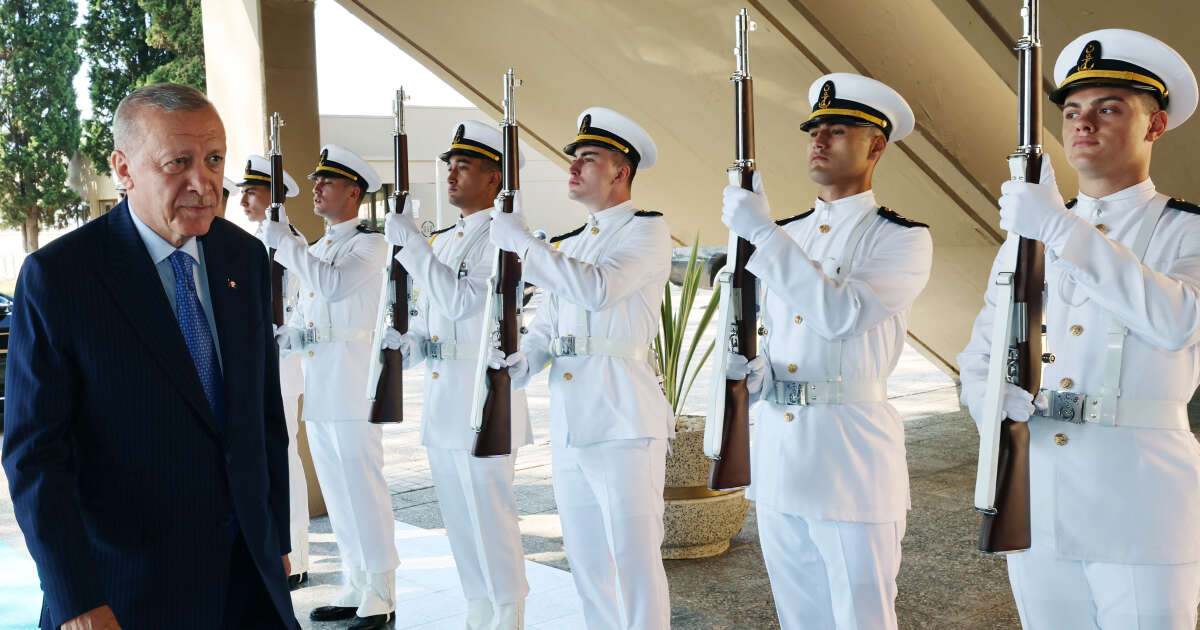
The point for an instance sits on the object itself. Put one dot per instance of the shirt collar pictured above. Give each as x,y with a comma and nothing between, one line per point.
1134,196
475,220
850,207
341,230
158,247
610,214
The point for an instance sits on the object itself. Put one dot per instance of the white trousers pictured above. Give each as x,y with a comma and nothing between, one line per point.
297,488
831,574
475,495
610,500
348,457
1052,593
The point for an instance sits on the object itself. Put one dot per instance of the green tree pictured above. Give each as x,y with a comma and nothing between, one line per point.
39,123
119,59
130,44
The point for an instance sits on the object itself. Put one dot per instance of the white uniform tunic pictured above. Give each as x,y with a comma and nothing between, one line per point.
340,279
1112,495
830,480
475,494
609,418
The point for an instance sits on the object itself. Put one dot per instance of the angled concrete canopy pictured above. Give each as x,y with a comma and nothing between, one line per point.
666,64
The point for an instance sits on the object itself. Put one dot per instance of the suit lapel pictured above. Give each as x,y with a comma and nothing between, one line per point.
132,279
230,291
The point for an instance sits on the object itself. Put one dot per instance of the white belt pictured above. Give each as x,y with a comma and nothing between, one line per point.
1079,408
826,392
447,351
594,346
336,335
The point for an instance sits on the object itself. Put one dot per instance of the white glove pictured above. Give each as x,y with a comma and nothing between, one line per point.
408,345
1018,403
517,364
747,213
400,228
273,233
1036,211
754,371
510,232
288,339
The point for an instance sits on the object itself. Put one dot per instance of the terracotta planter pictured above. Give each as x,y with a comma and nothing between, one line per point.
698,522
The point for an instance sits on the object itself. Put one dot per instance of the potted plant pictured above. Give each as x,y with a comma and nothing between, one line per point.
697,522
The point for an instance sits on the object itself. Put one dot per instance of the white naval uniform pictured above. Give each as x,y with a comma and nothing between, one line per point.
1115,510
609,418
291,386
830,481
475,494
340,280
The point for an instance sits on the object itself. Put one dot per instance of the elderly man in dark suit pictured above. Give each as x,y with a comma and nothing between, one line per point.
146,449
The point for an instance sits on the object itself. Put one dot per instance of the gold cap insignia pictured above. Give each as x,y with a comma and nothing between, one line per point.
585,123
827,93
324,155
1087,58
458,134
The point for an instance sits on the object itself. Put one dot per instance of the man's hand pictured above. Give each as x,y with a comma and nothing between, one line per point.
510,232
1018,403
288,339
754,371
747,213
516,363
101,618
1036,211
273,232
287,566
400,228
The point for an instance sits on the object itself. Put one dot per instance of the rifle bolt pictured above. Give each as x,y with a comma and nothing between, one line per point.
762,331
524,330
1047,357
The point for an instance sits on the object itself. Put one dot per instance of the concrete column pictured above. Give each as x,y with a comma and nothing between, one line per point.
260,58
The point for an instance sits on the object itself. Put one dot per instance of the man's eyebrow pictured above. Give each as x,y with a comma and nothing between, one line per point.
1098,101
587,152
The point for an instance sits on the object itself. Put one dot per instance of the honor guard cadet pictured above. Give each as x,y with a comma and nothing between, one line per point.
609,419
331,328
475,494
1114,470
829,477
256,197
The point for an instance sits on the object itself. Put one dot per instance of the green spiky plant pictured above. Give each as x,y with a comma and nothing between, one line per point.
676,367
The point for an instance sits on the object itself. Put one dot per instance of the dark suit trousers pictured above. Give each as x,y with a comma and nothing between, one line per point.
248,605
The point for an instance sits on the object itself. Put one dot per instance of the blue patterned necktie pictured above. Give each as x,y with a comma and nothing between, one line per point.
197,334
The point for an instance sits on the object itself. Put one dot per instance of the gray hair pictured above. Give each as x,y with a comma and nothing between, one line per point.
168,97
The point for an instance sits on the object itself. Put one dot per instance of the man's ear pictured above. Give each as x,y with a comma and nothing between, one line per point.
120,168
878,144
1158,126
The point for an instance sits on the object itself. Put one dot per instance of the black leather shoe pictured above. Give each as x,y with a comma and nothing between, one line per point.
332,613
294,581
373,622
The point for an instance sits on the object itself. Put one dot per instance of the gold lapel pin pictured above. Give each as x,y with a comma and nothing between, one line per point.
232,284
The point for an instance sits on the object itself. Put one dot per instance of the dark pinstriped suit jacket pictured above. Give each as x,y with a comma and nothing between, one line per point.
120,480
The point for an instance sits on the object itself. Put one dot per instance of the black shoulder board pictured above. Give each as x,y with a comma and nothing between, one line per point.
295,232
1183,206
362,227
1071,203
647,213
898,219
795,218
563,237
445,229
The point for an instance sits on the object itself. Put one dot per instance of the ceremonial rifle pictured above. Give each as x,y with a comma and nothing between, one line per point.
491,403
278,190
385,384
1002,479
727,429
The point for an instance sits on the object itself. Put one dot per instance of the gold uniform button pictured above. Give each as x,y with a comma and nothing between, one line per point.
1060,439
1103,228
792,367
799,320
1076,330
788,417
434,376
310,353
433,339
567,376
459,235
824,229
1066,383
310,324
595,230
310,294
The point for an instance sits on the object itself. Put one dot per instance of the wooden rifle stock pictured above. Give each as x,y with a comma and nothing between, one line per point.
732,470
494,438
1006,528
388,405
